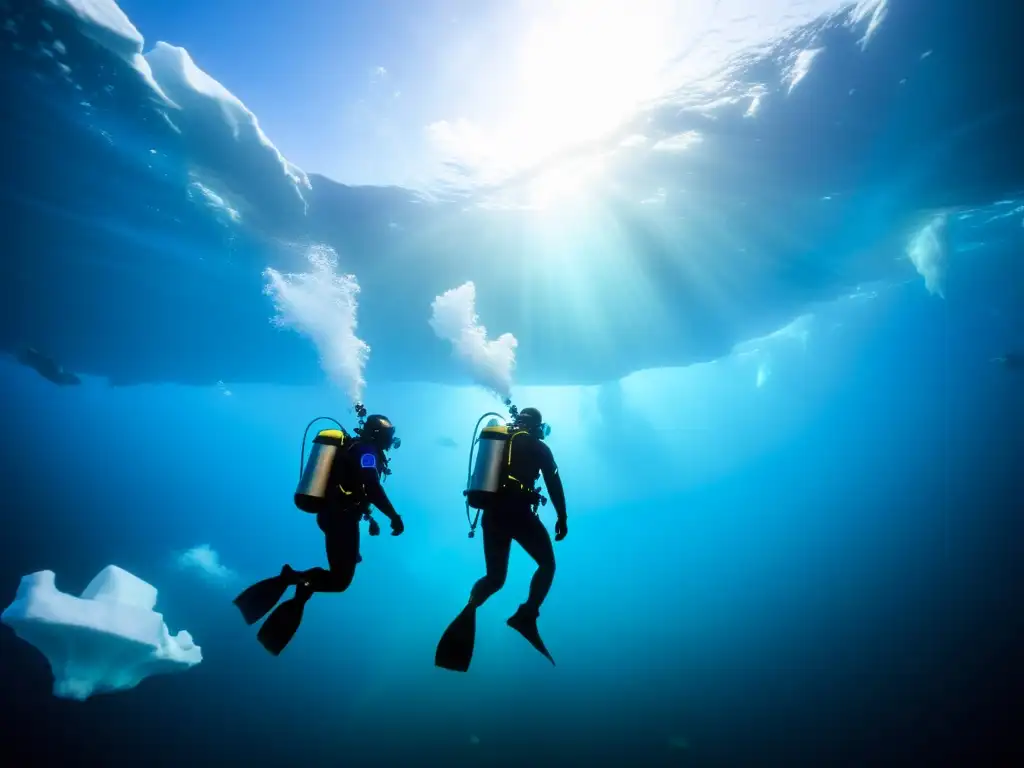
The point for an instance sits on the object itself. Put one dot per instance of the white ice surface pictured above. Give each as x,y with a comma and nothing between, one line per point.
106,24
109,639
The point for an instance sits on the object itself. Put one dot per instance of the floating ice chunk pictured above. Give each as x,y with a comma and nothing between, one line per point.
109,639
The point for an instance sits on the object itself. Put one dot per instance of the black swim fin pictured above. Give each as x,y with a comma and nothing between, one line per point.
455,650
280,627
257,600
524,622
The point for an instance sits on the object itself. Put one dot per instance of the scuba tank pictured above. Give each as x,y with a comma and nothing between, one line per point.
486,477
315,474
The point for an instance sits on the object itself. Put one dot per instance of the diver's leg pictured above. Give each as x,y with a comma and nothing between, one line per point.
531,534
341,537
343,554
533,537
455,649
497,547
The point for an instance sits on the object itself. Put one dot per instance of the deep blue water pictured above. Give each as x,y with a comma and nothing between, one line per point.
801,550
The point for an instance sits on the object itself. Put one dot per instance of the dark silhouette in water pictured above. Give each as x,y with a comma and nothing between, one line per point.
513,518
1011,361
360,469
47,367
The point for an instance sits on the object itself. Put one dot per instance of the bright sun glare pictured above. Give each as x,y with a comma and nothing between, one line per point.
584,69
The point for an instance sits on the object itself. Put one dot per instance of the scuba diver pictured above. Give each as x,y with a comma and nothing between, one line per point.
47,367
518,459
340,482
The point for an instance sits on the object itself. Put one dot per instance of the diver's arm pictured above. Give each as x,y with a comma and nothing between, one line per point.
553,481
375,495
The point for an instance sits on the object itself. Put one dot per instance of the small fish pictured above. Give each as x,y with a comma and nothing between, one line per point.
1011,361
447,442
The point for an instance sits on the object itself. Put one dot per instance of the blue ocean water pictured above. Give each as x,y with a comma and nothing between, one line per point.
765,336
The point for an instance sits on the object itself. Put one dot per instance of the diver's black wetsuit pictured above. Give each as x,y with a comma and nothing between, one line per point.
356,487
512,518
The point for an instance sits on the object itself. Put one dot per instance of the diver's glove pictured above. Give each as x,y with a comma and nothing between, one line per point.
397,526
561,529
374,528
